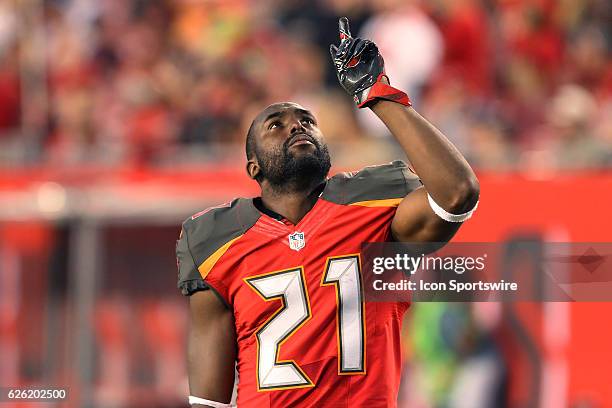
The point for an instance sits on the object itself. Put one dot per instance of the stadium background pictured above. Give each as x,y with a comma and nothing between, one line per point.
118,119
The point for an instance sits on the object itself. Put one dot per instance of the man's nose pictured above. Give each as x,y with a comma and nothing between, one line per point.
296,126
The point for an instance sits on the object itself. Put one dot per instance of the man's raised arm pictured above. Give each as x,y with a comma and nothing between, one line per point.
451,190
446,176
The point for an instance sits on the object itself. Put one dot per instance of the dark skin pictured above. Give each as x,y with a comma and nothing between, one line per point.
211,348
445,174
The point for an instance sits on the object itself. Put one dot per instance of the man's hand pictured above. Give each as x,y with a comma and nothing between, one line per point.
361,69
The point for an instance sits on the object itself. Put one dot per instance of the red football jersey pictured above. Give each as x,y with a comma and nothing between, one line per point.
305,335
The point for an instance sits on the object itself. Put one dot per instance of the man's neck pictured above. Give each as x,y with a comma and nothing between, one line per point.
293,205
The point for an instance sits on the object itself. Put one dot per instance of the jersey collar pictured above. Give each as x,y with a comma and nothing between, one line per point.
259,205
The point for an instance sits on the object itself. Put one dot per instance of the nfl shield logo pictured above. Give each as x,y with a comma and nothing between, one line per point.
297,241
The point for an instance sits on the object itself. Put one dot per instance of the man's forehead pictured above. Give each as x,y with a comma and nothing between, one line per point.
280,107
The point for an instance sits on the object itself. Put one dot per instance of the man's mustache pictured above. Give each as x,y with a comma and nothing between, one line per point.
301,135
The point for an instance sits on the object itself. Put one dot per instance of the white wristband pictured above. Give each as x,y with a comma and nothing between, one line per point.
446,216
214,404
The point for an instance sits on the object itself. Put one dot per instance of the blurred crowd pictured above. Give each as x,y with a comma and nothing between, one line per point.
516,84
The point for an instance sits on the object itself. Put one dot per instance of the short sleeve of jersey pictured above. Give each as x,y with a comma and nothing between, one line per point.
374,184
189,278
205,238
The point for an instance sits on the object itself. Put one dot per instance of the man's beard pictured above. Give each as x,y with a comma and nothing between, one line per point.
288,172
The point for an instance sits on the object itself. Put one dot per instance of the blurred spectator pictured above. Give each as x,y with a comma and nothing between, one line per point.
576,145
533,35
467,53
10,97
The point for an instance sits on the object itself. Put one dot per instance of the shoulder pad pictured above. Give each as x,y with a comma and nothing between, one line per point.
385,183
206,236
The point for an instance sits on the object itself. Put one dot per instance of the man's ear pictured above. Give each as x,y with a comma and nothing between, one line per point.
252,168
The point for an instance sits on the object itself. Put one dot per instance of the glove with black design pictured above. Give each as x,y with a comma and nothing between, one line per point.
360,69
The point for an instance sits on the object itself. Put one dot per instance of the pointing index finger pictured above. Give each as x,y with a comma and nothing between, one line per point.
343,27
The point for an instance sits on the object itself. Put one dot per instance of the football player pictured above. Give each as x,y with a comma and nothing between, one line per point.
275,282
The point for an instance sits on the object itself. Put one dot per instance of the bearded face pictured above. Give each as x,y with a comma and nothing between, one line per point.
290,165
289,149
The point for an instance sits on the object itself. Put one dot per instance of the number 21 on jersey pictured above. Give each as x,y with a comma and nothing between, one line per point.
289,285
